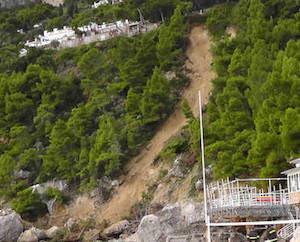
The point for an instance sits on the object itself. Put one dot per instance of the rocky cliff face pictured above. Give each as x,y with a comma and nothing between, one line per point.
182,221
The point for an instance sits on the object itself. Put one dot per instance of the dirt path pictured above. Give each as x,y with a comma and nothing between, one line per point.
140,169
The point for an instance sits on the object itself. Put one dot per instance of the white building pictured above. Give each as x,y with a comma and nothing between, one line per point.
57,35
293,176
104,2
66,37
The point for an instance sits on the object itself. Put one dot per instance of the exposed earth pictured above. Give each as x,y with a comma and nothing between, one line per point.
140,171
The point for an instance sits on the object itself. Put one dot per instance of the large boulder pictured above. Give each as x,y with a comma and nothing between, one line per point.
10,227
41,234
116,229
61,185
182,215
132,238
53,232
179,218
28,236
178,169
152,230
105,186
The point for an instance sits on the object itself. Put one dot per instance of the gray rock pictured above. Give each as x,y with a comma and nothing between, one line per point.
28,236
10,227
116,228
183,214
61,185
6,211
41,234
161,194
199,185
21,174
132,238
170,75
178,218
208,171
50,204
115,183
178,161
53,232
178,169
151,230
103,191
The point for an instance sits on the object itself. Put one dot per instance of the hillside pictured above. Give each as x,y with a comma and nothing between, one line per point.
110,130
252,120
141,171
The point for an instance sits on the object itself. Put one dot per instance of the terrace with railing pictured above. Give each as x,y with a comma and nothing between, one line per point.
237,198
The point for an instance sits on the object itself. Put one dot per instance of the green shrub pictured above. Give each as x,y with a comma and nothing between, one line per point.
176,146
147,197
53,193
14,189
218,19
29,205
162,173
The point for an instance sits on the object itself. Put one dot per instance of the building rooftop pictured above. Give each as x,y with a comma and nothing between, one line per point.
291,171
295,161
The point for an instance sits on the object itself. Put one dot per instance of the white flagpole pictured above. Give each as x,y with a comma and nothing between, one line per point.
207,222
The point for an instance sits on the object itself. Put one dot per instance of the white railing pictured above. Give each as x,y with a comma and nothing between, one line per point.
248,199
287,231
238,193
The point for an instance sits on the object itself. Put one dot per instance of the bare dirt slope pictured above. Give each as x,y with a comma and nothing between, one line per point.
140,169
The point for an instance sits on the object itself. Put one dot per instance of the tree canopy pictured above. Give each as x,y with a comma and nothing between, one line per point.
252,120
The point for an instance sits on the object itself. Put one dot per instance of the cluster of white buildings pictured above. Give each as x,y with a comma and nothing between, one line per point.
104,2
67,37
57,35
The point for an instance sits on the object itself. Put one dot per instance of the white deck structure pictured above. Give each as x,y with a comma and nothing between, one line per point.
236,193
293,176
226,200
239,199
